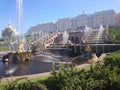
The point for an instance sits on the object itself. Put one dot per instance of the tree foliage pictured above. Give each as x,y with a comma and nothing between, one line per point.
7,33
115,33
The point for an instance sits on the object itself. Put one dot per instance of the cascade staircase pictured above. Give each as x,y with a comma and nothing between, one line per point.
44,41
96,37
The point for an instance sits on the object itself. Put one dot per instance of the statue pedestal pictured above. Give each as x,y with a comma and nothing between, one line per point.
16,57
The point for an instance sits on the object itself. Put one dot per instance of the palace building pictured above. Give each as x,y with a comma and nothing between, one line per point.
105,18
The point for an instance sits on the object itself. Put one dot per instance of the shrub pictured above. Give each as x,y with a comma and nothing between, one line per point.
113,60
26,85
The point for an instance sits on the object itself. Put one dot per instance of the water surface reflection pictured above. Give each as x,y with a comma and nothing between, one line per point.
40,63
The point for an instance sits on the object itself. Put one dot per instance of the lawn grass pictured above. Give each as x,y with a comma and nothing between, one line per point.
4,48
88,66
40,78
5,83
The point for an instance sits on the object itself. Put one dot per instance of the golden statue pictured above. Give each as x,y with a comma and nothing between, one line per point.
21,47
93,59
87,48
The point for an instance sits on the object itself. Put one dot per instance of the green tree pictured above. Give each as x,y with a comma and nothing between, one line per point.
7,33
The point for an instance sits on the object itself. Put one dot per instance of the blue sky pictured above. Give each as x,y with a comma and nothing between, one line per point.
43,11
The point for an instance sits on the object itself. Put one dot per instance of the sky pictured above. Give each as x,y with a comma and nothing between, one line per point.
43,11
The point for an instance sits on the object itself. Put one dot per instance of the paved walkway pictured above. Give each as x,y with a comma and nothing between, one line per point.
26,76
83,65
3,53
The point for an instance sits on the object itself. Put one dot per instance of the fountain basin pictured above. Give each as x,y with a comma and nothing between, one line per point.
16,57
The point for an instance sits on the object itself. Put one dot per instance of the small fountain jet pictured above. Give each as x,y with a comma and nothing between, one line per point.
65,37
100,33
11,70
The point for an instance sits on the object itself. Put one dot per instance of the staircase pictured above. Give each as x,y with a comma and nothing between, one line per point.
40,44
96,37
51,39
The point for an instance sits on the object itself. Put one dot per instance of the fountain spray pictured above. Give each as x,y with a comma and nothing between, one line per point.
65,37
100,33
19,12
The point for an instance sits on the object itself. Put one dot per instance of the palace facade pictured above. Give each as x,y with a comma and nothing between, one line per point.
105,18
